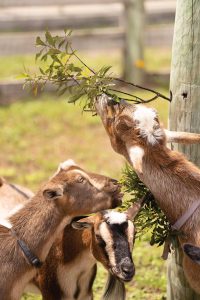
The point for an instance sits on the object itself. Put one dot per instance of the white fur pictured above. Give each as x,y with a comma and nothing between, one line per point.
64,166
146,124
115,217
16,209
5,221
136,154
67,164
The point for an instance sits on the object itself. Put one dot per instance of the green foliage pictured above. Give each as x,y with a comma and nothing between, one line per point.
150,218
64,68
61,70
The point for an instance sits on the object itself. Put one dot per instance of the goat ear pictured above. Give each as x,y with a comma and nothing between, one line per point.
193,252
53,193
124,124
83,223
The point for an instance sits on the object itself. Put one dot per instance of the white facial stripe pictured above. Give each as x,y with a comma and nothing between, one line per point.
146,118
97,184
107,237
130,234
115,217
136,154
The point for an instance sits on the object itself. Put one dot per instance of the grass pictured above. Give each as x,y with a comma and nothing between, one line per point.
37,134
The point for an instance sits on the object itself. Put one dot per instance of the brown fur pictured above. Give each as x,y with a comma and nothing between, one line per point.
173,180
75,252
67,194
67,251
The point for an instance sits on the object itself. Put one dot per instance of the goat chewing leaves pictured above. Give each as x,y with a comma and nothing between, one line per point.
150,218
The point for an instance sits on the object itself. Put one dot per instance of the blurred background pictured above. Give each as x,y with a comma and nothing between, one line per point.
133,36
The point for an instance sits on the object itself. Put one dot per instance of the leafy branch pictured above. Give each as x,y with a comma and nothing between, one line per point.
150,218
62,66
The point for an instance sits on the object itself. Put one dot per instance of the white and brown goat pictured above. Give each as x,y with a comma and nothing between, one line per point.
70,192
70,268
136,133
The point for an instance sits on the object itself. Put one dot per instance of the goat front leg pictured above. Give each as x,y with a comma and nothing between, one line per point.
182,137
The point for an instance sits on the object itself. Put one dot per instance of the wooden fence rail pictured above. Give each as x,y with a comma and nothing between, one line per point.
7,3
99,25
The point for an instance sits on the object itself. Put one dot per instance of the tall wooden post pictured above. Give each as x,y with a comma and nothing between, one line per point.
134,44
185,113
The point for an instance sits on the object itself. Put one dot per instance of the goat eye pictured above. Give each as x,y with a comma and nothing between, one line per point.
80,179
100,241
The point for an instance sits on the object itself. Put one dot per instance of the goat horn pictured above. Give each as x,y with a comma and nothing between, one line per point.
182,137
135,208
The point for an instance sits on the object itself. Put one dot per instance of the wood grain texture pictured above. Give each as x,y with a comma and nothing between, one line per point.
185,114
185,75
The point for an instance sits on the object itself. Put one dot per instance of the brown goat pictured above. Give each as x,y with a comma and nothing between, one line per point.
135,132
70,192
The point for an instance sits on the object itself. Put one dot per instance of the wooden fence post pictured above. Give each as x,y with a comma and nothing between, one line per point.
134,41
185,114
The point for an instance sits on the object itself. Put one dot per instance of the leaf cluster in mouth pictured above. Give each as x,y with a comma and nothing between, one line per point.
150,218
59,64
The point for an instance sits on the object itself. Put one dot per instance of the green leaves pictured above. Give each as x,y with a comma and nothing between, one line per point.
39,42
150,218
60,65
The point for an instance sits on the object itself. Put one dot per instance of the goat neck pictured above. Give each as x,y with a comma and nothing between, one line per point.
37,223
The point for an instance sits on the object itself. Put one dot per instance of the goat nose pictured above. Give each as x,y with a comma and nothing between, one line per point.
128,269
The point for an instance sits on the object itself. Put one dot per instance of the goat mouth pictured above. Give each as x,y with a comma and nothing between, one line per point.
120,275
118,199
101,103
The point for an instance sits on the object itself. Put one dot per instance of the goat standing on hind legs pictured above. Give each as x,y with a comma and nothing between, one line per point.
135,132
70,192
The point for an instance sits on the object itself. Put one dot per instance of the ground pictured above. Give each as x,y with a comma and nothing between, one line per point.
37,134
